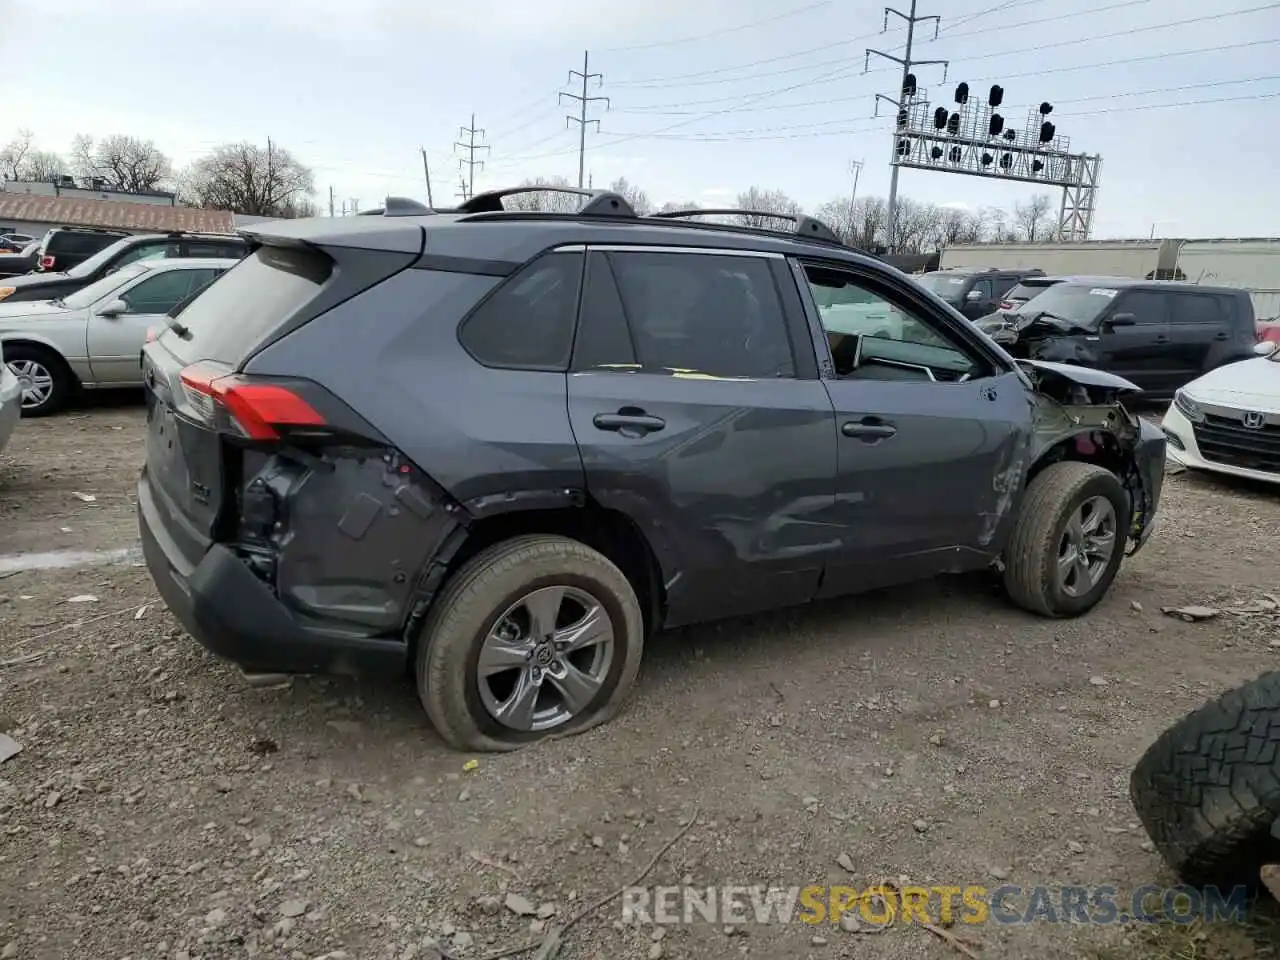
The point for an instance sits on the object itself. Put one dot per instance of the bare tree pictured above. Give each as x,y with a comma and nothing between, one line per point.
124,163
43,166
1031,217
551,201
958,226
638,199
766,201
248,179
996,226
671,206
14,154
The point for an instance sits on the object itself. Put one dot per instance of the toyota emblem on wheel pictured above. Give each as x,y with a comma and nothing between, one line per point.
1253,419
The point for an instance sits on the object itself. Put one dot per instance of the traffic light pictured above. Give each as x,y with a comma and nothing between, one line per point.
1006,161
986,159
955,154
996,96
996,125
902,118
1037,166
953,124
904,147
909,85
962,93
1011,135
1046,108
936,153
940,118
1047,130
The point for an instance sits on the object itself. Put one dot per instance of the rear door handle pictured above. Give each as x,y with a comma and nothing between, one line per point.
868,429
1221,336
1161,338
628,422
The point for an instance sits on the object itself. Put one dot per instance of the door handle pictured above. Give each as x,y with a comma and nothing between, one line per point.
868,429
1221,336
1161,338
628,422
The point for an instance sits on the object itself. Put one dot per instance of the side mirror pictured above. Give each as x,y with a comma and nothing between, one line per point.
114,309
1266,348
1122,320
973,295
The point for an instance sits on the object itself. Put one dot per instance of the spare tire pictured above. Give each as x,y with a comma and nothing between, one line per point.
1208,789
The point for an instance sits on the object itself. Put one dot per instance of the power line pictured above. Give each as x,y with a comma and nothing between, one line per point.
657,109
654,85
470,161
721,33
661,82
583,101
998,8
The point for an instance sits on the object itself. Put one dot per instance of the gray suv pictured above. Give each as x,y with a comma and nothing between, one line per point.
975,291
498,449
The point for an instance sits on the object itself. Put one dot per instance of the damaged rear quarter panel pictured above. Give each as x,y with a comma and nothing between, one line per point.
345,535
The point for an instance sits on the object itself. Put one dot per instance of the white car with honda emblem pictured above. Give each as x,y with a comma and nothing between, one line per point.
1228,421
93,338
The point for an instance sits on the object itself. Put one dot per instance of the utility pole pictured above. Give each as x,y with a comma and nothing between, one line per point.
908,84
426,173
462,190
855,166
583,100
331,201
470,162
355,207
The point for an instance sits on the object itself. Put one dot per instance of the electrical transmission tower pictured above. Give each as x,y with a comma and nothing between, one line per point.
907,89
583,101
469,161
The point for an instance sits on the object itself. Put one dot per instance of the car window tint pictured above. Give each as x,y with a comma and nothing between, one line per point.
159,294
1147,306
1197,308
850,310
229,250
603,339
146,251
527,323
717,315
984,287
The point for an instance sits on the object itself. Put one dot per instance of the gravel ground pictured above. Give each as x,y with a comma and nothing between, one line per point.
162,810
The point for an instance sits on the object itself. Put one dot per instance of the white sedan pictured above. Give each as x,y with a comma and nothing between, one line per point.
93,338
1228,421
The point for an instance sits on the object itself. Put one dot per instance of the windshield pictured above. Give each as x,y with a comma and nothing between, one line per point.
1025,291
948,286
1079,304
94,292
93,264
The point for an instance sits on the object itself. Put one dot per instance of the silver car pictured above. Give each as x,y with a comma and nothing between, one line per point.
10,401
93,338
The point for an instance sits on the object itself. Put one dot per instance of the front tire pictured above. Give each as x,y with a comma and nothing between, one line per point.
46,379
534,637
1068,539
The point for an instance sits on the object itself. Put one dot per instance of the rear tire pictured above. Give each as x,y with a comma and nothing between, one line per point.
1208,789
1041,542
47,372
477,604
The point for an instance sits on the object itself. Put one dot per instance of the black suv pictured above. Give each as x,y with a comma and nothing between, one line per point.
122,250
545,436
974,291
1160,334
64,247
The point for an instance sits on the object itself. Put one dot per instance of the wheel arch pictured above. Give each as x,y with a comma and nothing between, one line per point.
611,532
43,344
1103,448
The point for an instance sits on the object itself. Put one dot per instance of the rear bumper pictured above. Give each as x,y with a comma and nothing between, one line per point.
236,616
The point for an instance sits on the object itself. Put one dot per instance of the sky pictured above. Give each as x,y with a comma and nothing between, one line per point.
706,97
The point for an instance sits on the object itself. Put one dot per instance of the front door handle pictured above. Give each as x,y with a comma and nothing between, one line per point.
869,429
1221,336
628,422
1161,338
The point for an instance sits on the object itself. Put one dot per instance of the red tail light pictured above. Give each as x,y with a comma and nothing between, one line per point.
1006,304
259,410
46,263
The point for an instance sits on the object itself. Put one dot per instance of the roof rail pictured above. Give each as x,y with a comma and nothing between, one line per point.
600,203
804,226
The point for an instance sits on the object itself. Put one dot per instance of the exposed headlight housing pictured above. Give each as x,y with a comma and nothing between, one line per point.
1188,407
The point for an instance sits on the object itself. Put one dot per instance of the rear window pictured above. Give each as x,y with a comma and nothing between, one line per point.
243,306
79,242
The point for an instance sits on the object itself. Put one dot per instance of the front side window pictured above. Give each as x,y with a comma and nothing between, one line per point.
872,336
527,323
712,314
159,294
87,296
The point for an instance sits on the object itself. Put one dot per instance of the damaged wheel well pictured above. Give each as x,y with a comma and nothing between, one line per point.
610,532
1104,449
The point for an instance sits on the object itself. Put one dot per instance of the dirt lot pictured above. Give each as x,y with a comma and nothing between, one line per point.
160,809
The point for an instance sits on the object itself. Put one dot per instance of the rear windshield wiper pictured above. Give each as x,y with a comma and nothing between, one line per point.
171,323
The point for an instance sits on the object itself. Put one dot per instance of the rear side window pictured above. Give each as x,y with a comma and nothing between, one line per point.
718,315
231,251
247,303
78,243
1198,308
527,323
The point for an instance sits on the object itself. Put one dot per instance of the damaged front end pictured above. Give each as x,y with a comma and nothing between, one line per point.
1080,414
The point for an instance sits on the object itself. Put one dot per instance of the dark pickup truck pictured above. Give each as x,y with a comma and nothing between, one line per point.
16,264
